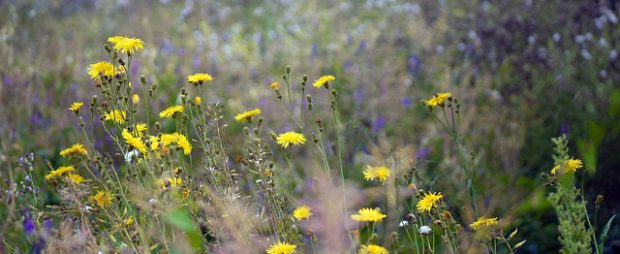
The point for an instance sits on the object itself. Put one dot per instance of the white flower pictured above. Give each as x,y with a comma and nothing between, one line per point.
152,201
425,230
131,155
403,223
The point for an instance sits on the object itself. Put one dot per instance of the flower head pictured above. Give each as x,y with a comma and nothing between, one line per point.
135,98
368,215
275,85
483,222
134,141
290,138
75,107
170,111
373,249
197,100
428,201
101,68
117,116
75,178
380,173
246,117
129,221
199,78
302,213
59,171
126,44
323,81
175,138
282,248
76,148
437,99
103,198
570,165
425,230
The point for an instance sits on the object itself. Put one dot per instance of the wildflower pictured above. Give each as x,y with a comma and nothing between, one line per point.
428,201
74,149
117,116
135,98
183,143
129,221
197,100
437,99
368,215
483,222
403,223
246,117
323,81
171,111
133,141
139,128
103,198
75,178
302,213
103,67
125,44
75,107
425,230
282,248
290,138
570,165
199,78
373,249
59,171
380,173
275,86
154,142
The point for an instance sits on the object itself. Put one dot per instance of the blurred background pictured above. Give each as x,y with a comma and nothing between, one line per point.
524,71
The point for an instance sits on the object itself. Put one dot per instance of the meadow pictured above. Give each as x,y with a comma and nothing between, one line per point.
280,126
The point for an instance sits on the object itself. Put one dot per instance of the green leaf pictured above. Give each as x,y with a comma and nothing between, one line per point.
603,236
181,218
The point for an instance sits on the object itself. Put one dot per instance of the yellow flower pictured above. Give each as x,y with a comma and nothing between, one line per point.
246,117
139,128
302,213
96,69
197,100
437,99
170,111
103,198
483,222
75,148
135,98
281,248
570,165
290,138
129,221
275,85
380,173
170,182
428,201
368,215
59,171
373,249
125,44
323,81
116,116
176,138
154,142
199,78
75,178
133,141
75,107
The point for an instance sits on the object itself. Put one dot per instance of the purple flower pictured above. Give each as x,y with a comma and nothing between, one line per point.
406,102
422,154
413,64
28,224
378,124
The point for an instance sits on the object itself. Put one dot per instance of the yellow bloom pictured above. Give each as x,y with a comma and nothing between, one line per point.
116,116
170,182
59,171
302,213
373,249
275,85
103,198
368,215
290,138
96,69
247,116
75,107
133,141
281,248
323,81
197,100
176,138
170,111
199,78
135,98
570,165
75,148
125,44
154,142
380,173
139,128
437,99
428,201
75,178
483,222
129,221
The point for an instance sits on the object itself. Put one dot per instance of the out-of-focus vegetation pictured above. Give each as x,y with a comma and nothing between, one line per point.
523,71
